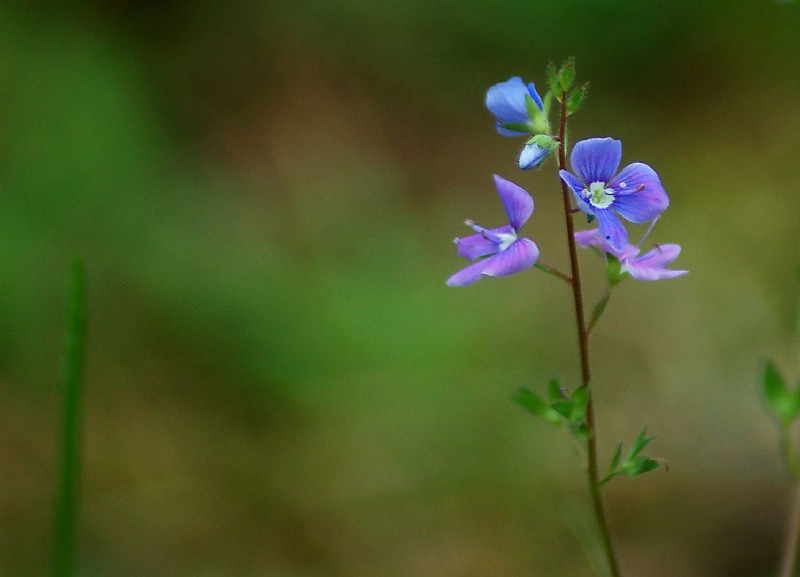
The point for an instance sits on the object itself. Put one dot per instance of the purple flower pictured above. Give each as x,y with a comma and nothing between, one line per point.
506,252
508,101
635,193
649,266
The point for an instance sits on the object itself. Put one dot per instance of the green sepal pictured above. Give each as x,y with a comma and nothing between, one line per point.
566,76
534,404
538,118
547,103
614,272
545,142
554,82
576,99
784,403
524,127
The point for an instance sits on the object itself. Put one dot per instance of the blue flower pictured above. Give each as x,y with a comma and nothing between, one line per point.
650,266
508,102
519,111
507,253
636,193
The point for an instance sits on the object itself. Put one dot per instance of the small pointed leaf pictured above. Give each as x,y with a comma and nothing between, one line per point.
556,390
566,75
553,81
615,460
532,402
779,399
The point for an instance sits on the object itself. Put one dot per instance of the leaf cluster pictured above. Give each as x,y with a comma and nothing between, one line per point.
634,464
559,409
561,82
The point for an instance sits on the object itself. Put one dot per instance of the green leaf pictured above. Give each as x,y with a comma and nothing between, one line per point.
615,460
564,408
580,399
554,82
784,404
533,403
576,99
647,465
579,430
640,443
566,75
556,390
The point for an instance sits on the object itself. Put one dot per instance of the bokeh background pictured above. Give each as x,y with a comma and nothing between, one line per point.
280,384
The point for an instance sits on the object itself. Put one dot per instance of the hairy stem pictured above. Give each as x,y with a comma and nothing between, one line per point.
583,343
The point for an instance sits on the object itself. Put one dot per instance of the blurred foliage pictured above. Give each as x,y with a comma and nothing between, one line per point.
278,381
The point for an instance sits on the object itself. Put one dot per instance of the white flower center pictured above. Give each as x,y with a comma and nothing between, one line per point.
506,240
598,195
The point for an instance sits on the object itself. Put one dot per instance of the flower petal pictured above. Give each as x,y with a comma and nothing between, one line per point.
577,187
642,197
516,200
521,255
467,276
477,245
660,256
591,238
532,156
651,266
506,100
506,132
612,230
596,159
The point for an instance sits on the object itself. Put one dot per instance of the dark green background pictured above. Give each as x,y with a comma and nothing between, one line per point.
280,384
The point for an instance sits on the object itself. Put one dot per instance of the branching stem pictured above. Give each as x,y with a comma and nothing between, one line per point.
583,343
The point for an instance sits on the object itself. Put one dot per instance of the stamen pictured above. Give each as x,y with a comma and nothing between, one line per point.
640,188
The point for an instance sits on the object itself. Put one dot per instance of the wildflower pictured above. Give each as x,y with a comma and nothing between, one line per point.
507,253
635,194
519,111
650,266
509,102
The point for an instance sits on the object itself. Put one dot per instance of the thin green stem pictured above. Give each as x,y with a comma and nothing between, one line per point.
583,343
789,557
598,310
66,515
789,457
553,271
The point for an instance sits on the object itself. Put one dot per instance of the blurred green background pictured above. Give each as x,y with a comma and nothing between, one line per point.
280,384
